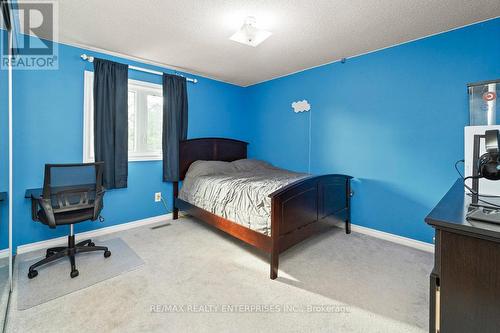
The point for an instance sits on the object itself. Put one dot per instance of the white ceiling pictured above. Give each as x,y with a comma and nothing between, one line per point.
194,34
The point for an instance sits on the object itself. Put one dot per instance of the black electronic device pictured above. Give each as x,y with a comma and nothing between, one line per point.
489,163
484,214
487,167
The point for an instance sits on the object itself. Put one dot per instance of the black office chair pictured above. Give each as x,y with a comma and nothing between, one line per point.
72,193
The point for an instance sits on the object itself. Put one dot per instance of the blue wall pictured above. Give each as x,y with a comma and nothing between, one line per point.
4,152
393,119
48,127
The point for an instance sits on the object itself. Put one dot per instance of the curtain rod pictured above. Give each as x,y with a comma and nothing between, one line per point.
140,69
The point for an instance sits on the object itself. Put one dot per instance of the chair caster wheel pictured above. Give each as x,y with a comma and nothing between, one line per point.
74,273
32,274
107,254
91,244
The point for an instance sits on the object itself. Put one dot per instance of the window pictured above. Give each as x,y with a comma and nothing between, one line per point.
145,114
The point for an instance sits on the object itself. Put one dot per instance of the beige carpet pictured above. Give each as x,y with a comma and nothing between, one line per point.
4,289
196,279
54,281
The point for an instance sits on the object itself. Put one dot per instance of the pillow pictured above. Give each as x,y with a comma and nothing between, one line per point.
206,168
248,165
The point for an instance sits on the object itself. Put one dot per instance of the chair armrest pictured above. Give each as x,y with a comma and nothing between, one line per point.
46,205
98,204
34,205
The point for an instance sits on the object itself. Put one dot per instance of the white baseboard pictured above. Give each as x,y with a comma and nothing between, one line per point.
90,234
4,253
423,246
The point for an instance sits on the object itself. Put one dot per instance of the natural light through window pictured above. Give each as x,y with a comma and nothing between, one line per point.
145,113
145,104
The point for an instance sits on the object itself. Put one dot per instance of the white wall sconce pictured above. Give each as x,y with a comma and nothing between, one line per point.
301,106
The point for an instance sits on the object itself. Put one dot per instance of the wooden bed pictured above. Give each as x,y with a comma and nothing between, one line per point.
297,210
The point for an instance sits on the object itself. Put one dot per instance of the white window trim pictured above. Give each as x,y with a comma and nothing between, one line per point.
88,120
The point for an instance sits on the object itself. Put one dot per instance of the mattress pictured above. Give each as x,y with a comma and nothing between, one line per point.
237,191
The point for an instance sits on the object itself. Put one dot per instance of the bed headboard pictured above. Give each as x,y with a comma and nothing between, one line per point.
209,149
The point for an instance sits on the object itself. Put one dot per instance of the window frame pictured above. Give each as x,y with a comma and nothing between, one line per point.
139,87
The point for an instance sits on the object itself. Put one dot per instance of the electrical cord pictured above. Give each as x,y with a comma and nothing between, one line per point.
165,204
472,192
466,178
486,202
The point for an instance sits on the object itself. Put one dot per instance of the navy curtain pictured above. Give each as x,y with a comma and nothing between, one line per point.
111,121
175,122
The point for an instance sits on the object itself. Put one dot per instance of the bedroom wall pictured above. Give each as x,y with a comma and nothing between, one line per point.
4,153
393,119
48,127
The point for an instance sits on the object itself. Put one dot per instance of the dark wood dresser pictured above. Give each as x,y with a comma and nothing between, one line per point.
465,281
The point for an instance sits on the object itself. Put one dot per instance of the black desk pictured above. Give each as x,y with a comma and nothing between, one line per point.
451,212
33,193
3,196
465,281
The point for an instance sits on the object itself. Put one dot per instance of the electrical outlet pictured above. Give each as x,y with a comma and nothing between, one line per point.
157,196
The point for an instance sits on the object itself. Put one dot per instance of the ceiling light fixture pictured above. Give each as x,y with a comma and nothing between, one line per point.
249,34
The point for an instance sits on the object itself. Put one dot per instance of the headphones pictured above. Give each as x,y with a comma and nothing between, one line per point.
489,163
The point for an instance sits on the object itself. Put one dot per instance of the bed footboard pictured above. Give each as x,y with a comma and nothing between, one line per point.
298,209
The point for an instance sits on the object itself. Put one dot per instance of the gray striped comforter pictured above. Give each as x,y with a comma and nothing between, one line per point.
237,191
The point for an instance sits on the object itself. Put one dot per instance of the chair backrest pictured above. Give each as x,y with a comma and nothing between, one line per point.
72,186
